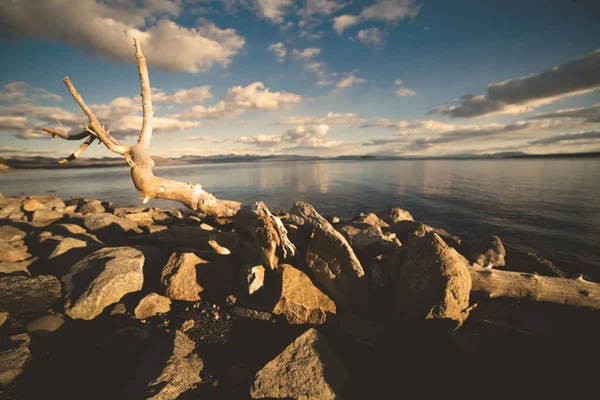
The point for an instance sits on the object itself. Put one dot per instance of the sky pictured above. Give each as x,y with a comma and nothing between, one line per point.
306,77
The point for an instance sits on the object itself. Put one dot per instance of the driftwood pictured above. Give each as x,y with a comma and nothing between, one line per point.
493,283
267,229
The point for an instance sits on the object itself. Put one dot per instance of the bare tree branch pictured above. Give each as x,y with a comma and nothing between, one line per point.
148,112
79,150
93,125
65,135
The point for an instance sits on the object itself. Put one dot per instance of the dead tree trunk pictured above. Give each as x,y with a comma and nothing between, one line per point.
493,283
267,229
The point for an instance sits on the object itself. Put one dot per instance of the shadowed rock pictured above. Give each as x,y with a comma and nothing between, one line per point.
434,282
300,302
306,369
527,261
18,293
109,227
101,279
332,260
14,360
91,207
487,253
181,373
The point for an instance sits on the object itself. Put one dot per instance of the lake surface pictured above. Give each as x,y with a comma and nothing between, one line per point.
550,206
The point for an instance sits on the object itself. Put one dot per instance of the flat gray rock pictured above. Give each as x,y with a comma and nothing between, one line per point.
101,279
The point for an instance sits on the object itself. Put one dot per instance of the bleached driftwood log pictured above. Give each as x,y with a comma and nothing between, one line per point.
493,283
267,229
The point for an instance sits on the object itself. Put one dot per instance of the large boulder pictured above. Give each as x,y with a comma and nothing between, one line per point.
306,369
300,302
332,260
151,305
18,293
181,372
101,279
178,276
434,282
487,252
109,227
14,359
406,230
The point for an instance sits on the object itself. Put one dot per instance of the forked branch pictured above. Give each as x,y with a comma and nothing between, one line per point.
267,229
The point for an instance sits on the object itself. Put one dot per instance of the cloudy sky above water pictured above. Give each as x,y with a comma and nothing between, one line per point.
308,77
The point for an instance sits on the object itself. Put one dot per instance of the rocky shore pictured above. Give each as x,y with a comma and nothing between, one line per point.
103,302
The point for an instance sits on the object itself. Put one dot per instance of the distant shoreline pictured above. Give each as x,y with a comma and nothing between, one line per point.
36,163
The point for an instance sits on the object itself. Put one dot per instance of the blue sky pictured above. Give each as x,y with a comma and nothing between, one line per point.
311,77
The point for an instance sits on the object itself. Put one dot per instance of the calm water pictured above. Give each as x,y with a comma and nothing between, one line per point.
549,206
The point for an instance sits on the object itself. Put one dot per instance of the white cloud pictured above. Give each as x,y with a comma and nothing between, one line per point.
301,137
21,91
588,114
279,50
12,122
390,11
107,29
344,21
239,100
197,138
331,118
519,95
183,96
306,54
271,10
312,13
371,36
349,81
405,92
22,151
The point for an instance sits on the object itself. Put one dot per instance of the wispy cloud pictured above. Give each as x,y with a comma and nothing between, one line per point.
279,50
390,11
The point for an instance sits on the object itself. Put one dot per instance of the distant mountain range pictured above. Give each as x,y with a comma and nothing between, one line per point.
52,163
